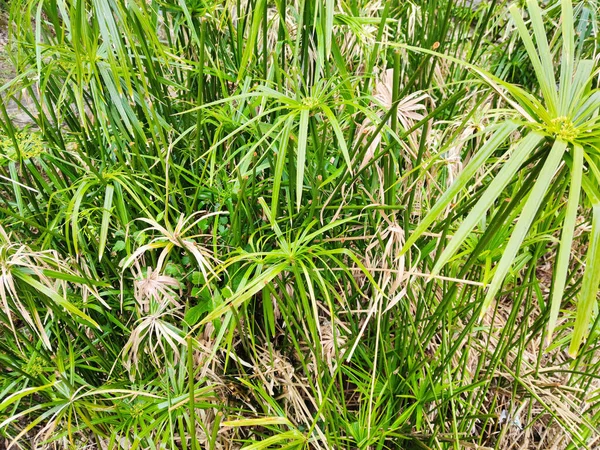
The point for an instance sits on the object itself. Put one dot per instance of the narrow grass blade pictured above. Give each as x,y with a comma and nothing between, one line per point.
339,134
247,292
108,197
581,80
495,188
292,439
529,212
564,253
329,9
589,287
14,176
538,60
73,211
301,162
466,175
73,278
568,53
280,165
54,296
548,82
264,421
20,394
249,50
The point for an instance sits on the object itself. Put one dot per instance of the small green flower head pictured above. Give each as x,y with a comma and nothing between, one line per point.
30,144
310,102
562,128
137,411
34,367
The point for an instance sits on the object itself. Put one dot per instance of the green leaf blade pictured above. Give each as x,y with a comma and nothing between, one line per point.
529,212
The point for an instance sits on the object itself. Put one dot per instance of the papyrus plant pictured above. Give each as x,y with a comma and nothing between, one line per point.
564,119
37,284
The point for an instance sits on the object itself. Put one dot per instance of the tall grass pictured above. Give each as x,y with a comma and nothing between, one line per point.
253,224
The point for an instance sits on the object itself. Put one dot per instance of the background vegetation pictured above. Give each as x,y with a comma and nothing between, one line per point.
299,224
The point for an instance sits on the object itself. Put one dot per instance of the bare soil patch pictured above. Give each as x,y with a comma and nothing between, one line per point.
6,69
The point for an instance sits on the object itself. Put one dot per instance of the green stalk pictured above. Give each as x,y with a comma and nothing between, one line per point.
192,392
200,96
390,178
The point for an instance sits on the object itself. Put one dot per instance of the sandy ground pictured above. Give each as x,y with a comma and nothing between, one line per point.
6,70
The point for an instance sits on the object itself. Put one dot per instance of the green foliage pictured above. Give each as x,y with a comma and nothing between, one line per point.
569,119
254,224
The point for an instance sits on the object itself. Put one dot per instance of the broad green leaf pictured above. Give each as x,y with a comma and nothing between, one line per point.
193,315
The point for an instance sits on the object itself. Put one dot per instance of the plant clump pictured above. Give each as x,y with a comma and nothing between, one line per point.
299,225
